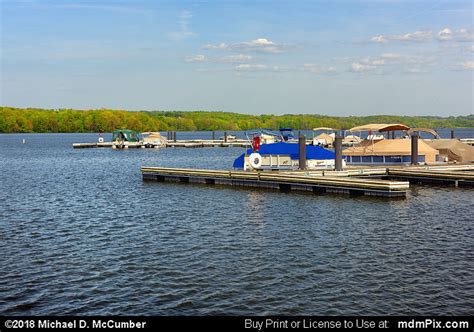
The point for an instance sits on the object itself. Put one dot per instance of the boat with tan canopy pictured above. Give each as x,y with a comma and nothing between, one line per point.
326,137
376,149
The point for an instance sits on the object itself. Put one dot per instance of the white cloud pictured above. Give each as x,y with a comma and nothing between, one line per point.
221,46
360,67
251,67
236,58
445,34
196,58
257,45
378,39
408,58
318,69
391,56
388,62
471,48
455,35
240,58
367,64
467,65
417,36
373,62
184,21
415,71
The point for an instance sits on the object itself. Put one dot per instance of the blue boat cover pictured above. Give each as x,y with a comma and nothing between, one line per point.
291,149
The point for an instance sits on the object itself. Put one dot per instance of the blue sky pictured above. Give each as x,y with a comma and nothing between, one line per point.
316,57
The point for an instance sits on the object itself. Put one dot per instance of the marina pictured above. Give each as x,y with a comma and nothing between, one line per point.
384,167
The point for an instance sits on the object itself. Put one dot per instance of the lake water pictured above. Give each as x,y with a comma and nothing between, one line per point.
82,234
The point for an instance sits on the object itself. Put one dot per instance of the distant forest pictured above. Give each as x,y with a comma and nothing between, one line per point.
33,120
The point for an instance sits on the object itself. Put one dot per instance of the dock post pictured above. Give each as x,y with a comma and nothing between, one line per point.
393,134
174,137
338,151
213,135
452,134
343,133
302,152
225,136
414,149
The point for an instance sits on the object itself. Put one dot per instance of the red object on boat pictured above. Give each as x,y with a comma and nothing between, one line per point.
256,143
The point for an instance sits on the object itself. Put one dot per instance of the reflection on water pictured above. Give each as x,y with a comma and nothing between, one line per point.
254,211
81,233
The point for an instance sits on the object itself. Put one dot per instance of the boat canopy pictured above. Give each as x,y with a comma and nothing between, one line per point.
325,128
286,133
325,138
424,130
291,149
391,147
126,135
263,131
380,127
453,149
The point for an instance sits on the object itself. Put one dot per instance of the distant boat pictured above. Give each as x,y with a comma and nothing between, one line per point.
287,134
153,140
229,138
324,139
125,138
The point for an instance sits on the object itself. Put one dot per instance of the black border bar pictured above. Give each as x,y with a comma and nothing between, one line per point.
237,323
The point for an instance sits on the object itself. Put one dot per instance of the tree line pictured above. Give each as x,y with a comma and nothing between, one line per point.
34,120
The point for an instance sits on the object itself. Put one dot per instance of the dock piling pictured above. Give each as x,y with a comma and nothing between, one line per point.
213,135
338,151
414,149
452,134
302,152
225,137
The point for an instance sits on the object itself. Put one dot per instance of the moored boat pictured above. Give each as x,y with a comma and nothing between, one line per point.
377,150
281,154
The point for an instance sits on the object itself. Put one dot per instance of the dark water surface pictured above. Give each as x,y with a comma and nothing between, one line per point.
81,233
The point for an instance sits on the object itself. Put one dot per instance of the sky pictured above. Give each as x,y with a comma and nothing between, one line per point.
335,57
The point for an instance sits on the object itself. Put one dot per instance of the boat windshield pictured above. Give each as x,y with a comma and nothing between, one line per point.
260,132
127,135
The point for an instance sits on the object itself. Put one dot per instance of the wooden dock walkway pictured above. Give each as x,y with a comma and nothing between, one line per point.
285,182
459,177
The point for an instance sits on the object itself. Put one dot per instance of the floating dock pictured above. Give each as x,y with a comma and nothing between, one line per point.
284,182
173,144
460,176
92,145
208,143
383,182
